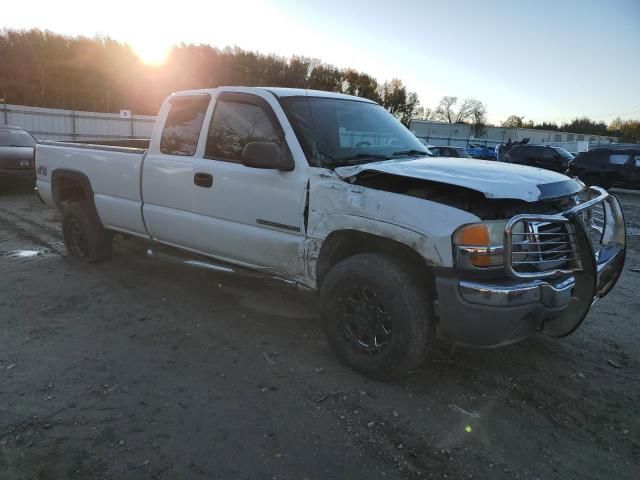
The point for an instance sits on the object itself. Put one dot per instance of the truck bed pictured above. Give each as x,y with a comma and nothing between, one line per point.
113,173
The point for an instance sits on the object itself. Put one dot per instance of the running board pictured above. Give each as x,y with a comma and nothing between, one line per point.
211,264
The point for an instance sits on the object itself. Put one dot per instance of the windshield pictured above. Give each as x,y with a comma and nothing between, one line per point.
16,138
335,132
563,153
462,153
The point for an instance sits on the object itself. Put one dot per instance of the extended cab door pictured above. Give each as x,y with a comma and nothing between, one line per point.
251,216
167,175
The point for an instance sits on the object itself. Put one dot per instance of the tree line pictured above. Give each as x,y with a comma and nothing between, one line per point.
45,69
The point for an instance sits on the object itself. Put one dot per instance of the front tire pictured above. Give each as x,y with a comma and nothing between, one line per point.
84,237
377,315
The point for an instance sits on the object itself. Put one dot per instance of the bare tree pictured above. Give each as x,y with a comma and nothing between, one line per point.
445,109
470,110
466,110
478,117
424,113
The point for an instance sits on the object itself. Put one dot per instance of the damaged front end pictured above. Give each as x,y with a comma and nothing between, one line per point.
557,267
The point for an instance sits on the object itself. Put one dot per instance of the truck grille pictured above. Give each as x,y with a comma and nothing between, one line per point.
540,246
594,219
543,246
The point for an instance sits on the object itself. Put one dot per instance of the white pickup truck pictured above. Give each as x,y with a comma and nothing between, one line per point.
330,191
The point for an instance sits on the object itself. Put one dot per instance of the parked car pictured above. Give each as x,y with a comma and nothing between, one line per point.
17,148
482,152
607,167
456,152
502,148
541,156
333,193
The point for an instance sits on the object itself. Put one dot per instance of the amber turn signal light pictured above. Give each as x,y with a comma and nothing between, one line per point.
474,235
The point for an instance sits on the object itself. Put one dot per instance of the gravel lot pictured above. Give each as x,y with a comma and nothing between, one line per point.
143,368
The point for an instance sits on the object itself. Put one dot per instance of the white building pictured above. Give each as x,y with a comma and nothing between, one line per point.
461,135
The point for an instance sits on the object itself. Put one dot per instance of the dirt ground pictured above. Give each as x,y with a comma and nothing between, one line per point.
140,368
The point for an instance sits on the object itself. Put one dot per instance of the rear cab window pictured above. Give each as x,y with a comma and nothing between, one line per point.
183,124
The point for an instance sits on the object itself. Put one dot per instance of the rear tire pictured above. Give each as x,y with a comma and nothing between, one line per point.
84,237
377,315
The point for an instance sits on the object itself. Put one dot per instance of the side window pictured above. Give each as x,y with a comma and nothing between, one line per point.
637,158
527,152
617,159
546,153
183,124
235,124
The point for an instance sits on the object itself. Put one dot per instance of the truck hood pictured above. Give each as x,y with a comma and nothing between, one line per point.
492,179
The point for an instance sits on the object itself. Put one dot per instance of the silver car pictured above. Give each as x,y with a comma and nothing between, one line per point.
17,147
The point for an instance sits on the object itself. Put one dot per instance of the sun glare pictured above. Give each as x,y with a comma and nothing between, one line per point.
151,51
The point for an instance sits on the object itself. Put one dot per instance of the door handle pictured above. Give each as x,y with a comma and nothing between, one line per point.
204,180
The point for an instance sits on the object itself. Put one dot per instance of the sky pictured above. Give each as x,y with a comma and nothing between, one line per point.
546,60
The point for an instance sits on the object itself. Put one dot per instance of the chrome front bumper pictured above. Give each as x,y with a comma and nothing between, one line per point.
511,294
493,313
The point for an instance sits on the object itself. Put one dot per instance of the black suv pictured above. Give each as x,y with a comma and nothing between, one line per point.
542,156
607,167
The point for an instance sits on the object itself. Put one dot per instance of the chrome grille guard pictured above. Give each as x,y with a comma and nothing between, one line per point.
599,218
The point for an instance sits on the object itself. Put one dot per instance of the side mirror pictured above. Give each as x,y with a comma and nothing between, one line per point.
265,155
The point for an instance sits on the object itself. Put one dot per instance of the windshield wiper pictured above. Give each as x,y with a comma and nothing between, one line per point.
409,153
362,156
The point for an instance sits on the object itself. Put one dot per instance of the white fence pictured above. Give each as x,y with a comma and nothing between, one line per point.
461,135
58,124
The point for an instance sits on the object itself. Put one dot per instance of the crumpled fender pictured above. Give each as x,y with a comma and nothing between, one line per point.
423,225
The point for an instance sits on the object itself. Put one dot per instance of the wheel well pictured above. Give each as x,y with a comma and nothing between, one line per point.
346,243
69,186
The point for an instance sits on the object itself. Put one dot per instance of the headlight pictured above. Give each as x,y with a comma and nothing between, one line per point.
481,245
